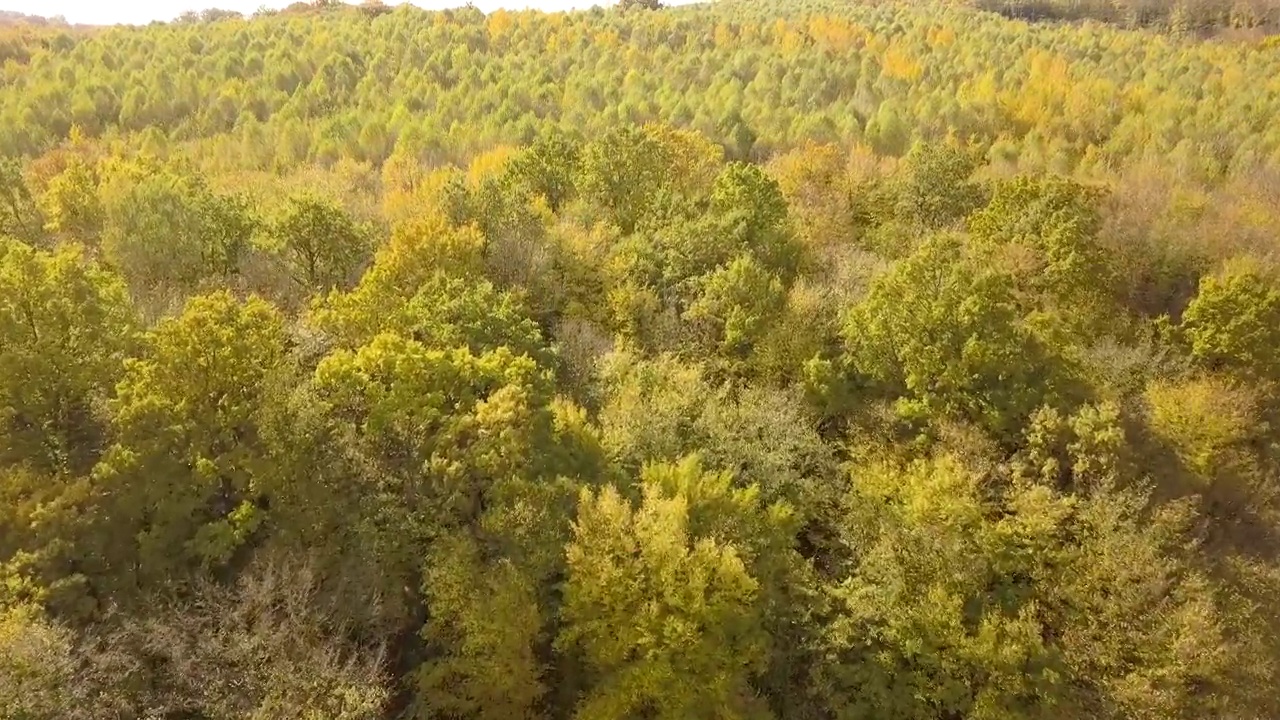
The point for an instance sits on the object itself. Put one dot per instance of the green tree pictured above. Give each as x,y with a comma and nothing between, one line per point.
624,172
426,285
1233,323
738,305
1045,231
662,602
19,216
324,245
71,205
446,312
661,409
152,229
227,227
1217,434
621,172
184,477
965,602
65,328
934,188
418,443
942,334
428,406
753,215
548,168
486,625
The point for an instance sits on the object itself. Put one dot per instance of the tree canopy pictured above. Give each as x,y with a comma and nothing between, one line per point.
809,360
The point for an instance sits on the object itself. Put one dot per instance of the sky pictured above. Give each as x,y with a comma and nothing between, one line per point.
101,12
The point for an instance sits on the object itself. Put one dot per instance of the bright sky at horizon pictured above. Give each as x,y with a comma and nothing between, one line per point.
96,12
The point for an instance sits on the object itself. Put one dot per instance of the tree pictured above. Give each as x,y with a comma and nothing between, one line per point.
1045,231
661,409
265,645
19,216
968,602
925,432
426,285
739,137
738,305
152,229
1233,323
70,203
819,194
1216,432
620,173
486,626
65,328
37,666
184,477
662,602
1209,424
548,168
419,443
624,172
324,245
227,227
753,215
933,188
446,312
427,406
440,470
942,334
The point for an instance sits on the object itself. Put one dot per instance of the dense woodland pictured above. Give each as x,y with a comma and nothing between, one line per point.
811,361
1178,16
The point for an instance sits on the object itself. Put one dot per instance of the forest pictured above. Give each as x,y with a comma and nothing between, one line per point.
747,360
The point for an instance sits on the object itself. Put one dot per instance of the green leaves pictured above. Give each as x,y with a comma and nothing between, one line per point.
446,412
70,203
486,627
168,234
944,334
720,257
935,189
628,169
227,224
324,245
988,602
19,216
153,230
661,600
1233,323
183,477
65,327
548,168
622,172
753,211
662,410
1043,231
738,305
445,312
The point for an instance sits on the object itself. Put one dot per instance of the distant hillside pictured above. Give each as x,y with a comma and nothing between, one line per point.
8,17
1178,15
287,88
